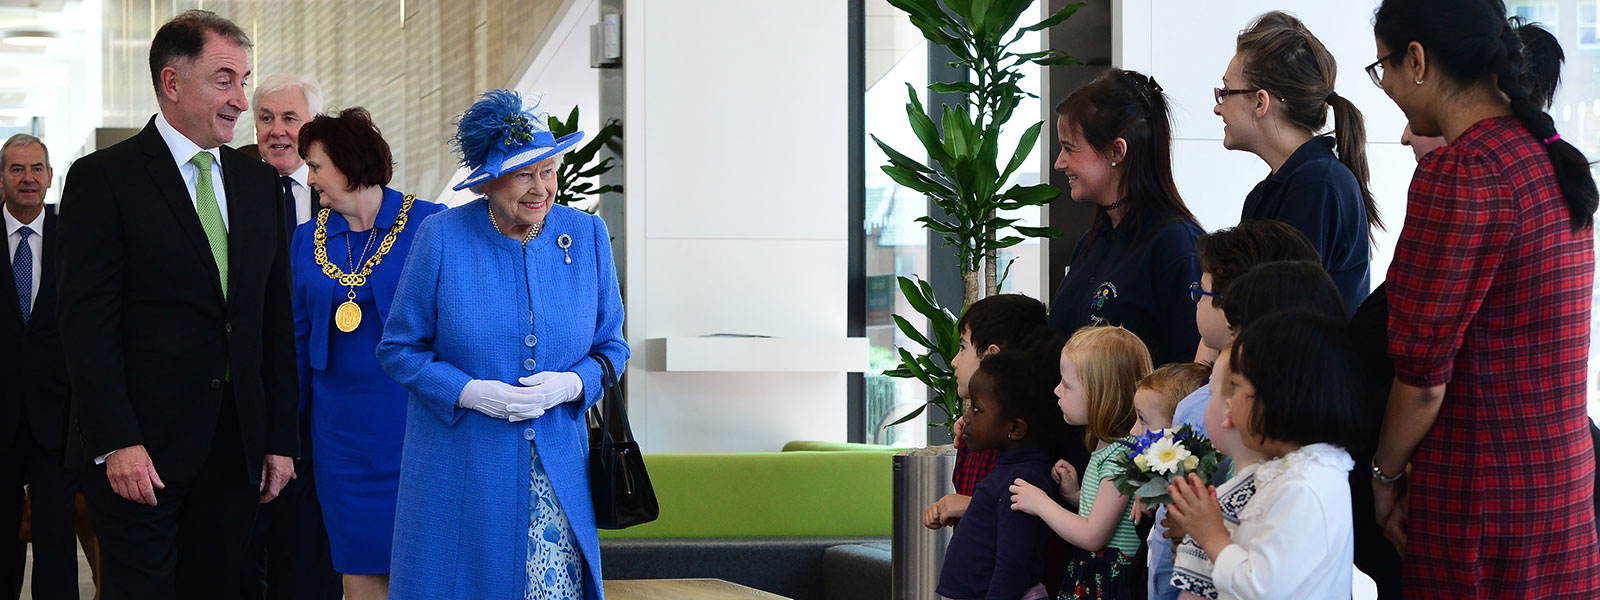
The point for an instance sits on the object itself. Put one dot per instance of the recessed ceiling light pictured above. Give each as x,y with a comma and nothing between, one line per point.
31,37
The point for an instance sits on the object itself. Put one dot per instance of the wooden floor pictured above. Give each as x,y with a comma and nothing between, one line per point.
85,581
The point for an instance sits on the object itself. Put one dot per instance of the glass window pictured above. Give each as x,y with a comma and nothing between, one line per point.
1025,259
1588,29
1545,12
896,245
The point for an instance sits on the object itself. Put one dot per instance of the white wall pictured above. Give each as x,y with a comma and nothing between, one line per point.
737,199
1186,46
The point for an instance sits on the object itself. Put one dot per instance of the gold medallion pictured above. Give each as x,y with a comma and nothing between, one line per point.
348,317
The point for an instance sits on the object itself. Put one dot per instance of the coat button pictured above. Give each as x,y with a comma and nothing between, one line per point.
227,327
529,364
527,434
216,384
530,340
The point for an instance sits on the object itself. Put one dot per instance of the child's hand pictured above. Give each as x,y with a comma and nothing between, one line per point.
1029,499
960,427
1141,510
1195,509
945,511
1066,478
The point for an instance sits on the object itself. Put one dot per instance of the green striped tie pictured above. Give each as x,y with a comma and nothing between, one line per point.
211,217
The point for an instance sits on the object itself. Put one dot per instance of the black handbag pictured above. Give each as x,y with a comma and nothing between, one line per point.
618,482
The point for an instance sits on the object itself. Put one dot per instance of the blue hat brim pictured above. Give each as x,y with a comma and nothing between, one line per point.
523,158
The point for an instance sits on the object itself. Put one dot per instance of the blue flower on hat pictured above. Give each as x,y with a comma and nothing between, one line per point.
497,135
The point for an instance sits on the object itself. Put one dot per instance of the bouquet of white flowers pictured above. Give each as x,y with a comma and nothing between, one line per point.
1159,456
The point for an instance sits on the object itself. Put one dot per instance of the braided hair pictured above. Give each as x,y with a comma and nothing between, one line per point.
1470,39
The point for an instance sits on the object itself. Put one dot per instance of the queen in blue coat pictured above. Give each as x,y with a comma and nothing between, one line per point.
347,263
503,303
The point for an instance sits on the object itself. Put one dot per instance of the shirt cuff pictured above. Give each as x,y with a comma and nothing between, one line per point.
1224,564
100,460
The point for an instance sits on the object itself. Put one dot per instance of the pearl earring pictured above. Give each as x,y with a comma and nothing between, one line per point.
1419,81
1113,163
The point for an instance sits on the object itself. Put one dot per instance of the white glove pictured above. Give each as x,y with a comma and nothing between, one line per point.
550,388
500,400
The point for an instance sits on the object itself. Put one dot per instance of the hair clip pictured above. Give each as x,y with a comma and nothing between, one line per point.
1552,139
565,242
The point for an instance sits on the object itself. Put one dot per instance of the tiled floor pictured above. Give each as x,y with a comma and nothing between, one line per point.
85,581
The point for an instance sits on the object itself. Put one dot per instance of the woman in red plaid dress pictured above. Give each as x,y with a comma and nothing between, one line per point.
1491,286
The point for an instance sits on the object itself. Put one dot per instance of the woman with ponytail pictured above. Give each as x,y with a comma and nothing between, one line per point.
1283,78
1490,291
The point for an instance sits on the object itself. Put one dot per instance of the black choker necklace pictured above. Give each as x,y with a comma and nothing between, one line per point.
1116,205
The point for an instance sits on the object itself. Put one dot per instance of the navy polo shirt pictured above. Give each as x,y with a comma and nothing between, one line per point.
1318,195
1135,275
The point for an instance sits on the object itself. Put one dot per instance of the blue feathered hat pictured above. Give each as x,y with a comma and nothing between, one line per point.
497,135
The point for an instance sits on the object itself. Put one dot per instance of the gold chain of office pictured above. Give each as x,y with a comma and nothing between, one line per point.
358,279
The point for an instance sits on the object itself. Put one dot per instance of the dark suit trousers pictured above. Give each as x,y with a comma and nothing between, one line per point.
53,489
288,557
190,545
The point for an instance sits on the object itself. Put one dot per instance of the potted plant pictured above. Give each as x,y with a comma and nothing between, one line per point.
575,178
968,181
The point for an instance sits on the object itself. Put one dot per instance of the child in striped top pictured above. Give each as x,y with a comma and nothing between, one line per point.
1100,371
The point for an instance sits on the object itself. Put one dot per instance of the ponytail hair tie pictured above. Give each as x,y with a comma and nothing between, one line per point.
1331,96
1552,139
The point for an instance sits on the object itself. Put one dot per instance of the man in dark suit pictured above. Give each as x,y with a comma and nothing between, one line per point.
177,328
33,377
288,557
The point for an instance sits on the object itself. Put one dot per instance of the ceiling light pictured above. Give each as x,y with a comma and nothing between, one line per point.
31,37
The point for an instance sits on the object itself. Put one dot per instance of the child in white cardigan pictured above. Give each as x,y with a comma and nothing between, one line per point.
1292,392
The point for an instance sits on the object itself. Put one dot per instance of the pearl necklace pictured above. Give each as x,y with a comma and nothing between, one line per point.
533,231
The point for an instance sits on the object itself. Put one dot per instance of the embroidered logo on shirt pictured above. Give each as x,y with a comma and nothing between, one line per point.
1106,290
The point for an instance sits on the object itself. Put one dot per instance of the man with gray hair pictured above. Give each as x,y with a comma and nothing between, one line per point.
288,557
33,379
177,328
283,103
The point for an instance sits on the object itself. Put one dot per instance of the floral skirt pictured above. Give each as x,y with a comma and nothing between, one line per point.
1103,575
555,564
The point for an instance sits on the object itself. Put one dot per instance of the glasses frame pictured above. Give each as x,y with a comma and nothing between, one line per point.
1375,70
1195,293
1220,93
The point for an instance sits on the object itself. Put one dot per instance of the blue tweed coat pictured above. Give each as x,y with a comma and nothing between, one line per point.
461,313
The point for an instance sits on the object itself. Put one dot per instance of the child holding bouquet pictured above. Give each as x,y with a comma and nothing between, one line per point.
996,552
1100,370
1293,387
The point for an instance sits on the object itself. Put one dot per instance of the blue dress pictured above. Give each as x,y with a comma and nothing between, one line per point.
471,498
357,411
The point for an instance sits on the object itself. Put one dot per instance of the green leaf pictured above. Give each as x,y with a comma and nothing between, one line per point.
1060,61
900,160
1032,194
924,305
908,417
1025,147
1155,487
1061,15
1038,232
911,332
955,133
958,87
1007,242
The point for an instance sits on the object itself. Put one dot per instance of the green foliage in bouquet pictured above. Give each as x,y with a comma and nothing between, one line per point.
1153,460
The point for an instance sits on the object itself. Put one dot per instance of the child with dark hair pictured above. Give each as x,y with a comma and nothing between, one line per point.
997,552
1225,256
986,327
1281,285
1293,388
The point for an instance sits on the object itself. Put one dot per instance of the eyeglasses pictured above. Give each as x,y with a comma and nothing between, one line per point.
1195,293
1220,93
1375,70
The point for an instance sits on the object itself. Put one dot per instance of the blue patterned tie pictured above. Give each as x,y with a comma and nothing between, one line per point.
22,271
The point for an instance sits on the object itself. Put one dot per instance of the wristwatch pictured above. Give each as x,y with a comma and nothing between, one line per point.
1385,479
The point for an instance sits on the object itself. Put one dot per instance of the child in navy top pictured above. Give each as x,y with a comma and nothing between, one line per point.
997,552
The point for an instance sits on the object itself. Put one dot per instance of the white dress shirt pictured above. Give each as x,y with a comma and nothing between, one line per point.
302,194
35,245
182,151
1294,538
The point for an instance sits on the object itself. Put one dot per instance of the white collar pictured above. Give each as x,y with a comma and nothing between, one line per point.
299,175
181,147
12,224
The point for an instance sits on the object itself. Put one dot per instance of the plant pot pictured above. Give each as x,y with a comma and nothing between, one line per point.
921,477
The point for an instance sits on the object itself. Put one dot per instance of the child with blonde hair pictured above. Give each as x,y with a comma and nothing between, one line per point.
1160,392
1101,368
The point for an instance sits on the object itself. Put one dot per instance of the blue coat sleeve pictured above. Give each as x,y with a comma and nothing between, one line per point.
1176,267
608,338
1017,563
407,350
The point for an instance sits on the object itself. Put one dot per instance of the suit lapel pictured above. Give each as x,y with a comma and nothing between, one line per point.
168,180
10,305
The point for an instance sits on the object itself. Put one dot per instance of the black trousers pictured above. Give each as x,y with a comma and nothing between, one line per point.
53,489
288,557
191,543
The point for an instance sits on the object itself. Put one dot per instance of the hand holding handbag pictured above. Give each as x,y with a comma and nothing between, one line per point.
618,482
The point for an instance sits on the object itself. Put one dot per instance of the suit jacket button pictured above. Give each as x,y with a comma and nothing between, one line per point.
527,434
216,384
227,327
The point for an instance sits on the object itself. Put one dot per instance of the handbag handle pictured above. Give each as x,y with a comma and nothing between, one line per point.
613,408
